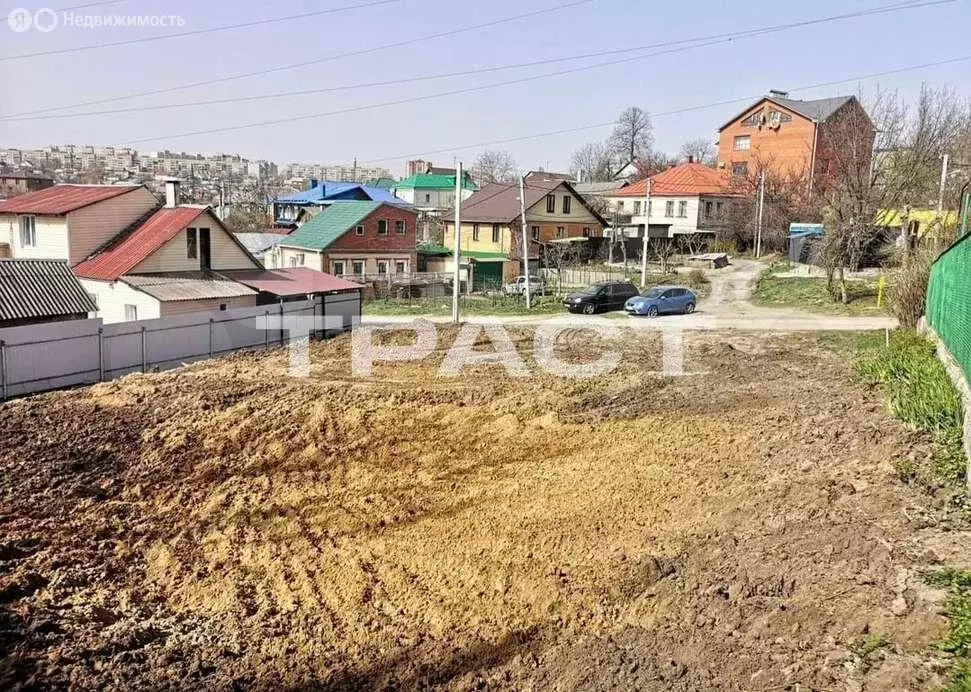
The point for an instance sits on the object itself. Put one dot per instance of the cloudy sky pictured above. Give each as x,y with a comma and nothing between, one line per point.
661,79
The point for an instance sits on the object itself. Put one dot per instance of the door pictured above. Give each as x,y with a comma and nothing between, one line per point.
487,275
205,249
671,300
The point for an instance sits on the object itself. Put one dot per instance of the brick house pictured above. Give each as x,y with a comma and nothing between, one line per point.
792,138
353,238
554,211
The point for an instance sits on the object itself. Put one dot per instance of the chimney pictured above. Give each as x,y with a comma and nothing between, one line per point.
691,158
777,94
172,193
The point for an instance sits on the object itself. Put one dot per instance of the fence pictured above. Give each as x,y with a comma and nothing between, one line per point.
41,357
949,301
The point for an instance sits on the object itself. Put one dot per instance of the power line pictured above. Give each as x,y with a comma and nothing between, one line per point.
678,111
316,61
496,68
195,32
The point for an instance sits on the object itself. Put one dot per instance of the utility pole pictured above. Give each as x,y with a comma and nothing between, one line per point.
522,216
940,199
647,232
758,232
457,255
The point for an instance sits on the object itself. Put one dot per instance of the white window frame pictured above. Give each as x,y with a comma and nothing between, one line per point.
359,230
382,267
354,265
683,209
669,209
400,226
383,223
131,313
334,267
740,140
403,264
28,231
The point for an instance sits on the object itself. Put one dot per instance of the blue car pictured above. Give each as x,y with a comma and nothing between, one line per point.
663,300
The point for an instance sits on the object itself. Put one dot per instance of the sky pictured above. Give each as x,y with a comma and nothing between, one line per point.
388,135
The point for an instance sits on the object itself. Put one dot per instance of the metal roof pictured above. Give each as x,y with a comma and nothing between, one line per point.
295,281
62,199
817,110
330,224
686,180
435,181
259,243
31,288
331,191
499,202
201,285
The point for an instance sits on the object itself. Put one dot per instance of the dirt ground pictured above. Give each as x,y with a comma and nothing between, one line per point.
226,527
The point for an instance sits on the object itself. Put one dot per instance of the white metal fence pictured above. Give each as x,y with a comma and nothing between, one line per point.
41,357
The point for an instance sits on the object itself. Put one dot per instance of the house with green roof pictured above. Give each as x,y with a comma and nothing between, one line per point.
353,239
433,192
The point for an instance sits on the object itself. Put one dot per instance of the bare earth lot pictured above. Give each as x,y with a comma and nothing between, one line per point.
226,527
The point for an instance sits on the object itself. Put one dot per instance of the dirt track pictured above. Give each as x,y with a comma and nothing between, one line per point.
226,527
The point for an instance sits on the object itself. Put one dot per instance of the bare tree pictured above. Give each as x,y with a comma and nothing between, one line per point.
592,161
652,163
700,150
632,138
494,166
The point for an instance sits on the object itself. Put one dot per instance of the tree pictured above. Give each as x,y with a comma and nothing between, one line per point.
632,137
241,221
700,150
652,163
93,175
592,161
494,166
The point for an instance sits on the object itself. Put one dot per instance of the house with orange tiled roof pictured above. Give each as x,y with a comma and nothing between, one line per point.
685,199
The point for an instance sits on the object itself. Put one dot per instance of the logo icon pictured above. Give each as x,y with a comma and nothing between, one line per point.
45,20
20,20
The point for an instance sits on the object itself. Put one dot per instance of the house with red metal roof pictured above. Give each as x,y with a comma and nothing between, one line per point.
168,263
685,199
68,222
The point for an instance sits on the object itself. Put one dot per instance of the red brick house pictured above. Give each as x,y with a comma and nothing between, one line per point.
353,238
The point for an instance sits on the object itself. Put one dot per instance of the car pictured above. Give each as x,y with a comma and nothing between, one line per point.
517,287
662,300
601,296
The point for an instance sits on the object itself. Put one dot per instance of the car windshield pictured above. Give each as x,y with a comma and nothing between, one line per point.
652,293
592,290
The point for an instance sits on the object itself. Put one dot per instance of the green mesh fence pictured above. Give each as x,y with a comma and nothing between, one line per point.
949,301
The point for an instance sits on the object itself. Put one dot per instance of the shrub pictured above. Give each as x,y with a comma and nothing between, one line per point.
907,289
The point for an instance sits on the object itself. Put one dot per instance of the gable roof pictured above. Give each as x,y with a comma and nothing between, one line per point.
329,190
329,225
32,288
499,202
62,199
129,248
816,110
435,181
686,180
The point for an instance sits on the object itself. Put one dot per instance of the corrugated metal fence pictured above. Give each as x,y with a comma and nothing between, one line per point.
949,301
42,357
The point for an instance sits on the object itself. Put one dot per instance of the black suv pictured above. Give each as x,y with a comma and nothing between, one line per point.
603,296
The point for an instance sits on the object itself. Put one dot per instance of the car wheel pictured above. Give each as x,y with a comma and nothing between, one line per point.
689,308
589,309
652,311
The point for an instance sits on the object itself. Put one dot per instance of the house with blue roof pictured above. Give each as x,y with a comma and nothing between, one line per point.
292,211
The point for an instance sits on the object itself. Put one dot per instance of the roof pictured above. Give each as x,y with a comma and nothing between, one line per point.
330,224
549,175
25,176
435,181
294,281
383,183
62,199
816,109
483,256
686,180
924,217
433,250
259,243
499,202
329,190
176,286
599,188
33,288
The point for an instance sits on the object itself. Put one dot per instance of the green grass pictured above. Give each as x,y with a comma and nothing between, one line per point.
509,306
866,651
957,610
811,295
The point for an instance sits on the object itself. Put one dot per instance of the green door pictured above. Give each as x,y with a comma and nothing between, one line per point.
487,275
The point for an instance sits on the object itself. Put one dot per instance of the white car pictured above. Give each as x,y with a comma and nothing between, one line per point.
537,286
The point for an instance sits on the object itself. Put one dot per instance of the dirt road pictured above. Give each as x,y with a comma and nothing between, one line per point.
226,527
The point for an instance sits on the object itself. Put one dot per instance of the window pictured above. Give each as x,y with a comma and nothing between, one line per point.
191,244
292,262
637,208
718,207
708,206
131,313
400,227
550,204
682,209
669,209
222,307
475,231
400,267
428,198
495,233
535,232
752,120
560,232
28,231
358,267
740,169
383,227
337,268
586,231
620,205
359,230
382,267
743,143
566,204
